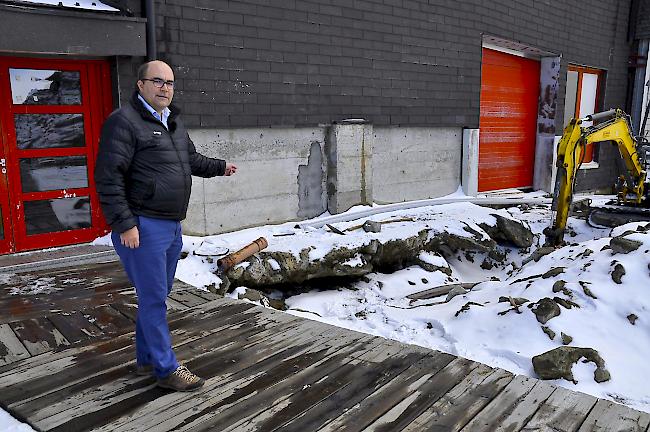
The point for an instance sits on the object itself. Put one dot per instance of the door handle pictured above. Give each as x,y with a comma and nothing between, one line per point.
3,164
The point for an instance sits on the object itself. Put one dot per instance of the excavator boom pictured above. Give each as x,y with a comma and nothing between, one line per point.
614,126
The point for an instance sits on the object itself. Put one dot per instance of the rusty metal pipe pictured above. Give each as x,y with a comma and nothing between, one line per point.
229,261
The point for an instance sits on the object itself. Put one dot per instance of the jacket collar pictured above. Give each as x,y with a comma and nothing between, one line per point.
174,111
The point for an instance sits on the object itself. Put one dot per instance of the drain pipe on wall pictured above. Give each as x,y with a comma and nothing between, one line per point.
150,15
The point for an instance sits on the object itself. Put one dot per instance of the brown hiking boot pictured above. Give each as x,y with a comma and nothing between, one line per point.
181,380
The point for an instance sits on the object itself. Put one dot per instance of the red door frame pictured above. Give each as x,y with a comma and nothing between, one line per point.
95,106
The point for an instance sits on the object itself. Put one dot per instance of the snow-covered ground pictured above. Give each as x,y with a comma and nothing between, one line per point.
484,332
488,331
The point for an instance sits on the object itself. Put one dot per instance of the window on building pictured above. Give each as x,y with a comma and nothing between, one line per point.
583,98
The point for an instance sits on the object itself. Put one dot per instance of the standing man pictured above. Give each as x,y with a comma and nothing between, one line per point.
143,176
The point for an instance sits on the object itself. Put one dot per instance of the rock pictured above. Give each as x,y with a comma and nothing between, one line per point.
509,231
371,226
558,363
566,339
538,254
560,286
487,264
514,301
466,307
586,253
632,318
545,309
618,273
566,304
259,297
555,271
432,267
456,291
624,245
601,375
587,291
262,269
550,333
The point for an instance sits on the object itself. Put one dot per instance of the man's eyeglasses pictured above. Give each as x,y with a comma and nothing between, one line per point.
159,83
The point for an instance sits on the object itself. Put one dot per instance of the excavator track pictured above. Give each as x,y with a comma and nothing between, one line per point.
613,216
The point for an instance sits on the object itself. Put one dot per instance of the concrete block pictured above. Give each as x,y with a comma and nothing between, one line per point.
349,150
411,163
470,162
280,177
242,213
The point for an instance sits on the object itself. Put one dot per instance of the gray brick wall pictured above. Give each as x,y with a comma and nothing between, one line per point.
393,62
641,13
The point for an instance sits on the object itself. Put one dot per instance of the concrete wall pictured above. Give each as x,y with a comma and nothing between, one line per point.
298,173
281,177
411,163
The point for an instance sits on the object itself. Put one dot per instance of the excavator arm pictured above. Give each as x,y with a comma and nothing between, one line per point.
615,127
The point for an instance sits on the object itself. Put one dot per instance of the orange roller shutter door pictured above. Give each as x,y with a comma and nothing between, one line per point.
508,119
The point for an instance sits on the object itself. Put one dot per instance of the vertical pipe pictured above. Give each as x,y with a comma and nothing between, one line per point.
150,14
639,85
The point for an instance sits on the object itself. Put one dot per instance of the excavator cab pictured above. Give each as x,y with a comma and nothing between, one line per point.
631,186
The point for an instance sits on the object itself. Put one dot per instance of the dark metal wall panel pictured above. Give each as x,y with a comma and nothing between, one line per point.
46,31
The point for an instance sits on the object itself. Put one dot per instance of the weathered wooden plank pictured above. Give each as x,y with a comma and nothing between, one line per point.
86,405
38,335
68,289
458,406
187,298
109,320
175,305
42,373
11,349
74,326
513,407
373,406
422,395
129,310
310,364
98,366
309,406
207,295
230,376
563,411
612,417
89,396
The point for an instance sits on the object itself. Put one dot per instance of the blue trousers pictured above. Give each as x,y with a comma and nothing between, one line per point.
151,268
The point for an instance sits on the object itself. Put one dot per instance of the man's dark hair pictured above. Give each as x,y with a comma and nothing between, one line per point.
142,71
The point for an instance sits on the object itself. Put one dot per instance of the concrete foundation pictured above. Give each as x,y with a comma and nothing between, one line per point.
298,173
411,163
470,162
349,165
275,182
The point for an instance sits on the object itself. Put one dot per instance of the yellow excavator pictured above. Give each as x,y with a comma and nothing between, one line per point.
631,186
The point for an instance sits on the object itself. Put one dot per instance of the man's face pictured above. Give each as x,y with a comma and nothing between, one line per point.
158,98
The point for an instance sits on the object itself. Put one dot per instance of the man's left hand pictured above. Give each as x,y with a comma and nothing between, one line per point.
230,169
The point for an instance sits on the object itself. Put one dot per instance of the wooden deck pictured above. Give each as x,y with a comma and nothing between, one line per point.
66,364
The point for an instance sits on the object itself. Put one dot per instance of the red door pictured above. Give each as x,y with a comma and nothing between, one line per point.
50,118
508,119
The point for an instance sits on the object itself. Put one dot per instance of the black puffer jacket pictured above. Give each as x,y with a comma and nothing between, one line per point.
144,169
